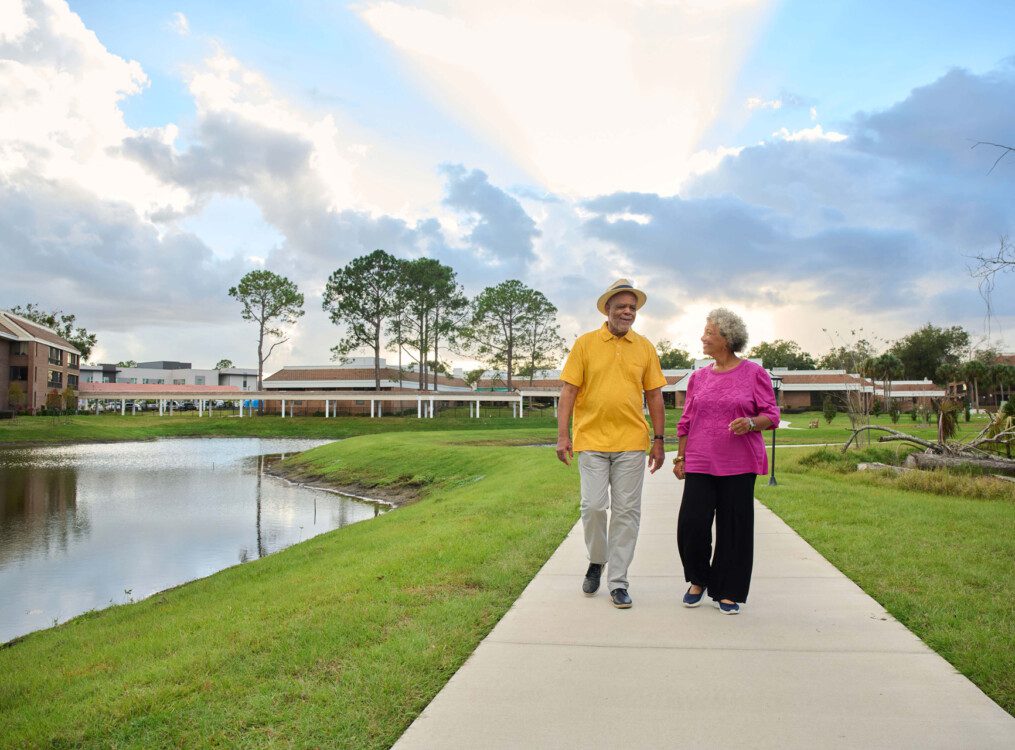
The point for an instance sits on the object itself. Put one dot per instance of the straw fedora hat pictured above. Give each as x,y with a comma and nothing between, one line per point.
618,286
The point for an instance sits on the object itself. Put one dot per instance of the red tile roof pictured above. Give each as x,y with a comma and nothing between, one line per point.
797,379
43,334
366,373
98,389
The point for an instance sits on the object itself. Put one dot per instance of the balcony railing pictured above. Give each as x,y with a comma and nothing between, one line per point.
55,361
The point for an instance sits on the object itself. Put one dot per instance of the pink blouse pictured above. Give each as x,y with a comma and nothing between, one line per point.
714,399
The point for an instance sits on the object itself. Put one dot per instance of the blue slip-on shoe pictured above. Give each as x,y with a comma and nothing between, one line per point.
620,599
693,600
728,609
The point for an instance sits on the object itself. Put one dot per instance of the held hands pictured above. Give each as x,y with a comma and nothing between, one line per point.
565,451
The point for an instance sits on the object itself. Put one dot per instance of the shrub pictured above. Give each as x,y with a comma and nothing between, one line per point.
835,460
877,407
894,411
828,408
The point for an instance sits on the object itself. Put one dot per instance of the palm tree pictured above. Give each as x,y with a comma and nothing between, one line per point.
975,372
888,367
997,375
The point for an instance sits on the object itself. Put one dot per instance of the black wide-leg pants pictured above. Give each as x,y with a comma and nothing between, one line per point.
730,502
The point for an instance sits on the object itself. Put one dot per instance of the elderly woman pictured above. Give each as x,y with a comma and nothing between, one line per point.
721,451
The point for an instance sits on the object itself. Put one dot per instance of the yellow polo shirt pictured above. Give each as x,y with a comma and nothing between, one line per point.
611,375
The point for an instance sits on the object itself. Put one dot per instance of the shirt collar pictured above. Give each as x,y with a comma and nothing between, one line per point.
605,335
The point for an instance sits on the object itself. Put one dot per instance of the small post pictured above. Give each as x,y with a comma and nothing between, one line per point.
555,406
327,407
419,407
431,407
771,476
241,408
371,408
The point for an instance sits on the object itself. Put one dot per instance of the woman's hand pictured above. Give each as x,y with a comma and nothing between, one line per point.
740,426
678,470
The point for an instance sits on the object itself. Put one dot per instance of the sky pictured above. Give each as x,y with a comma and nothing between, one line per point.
808,165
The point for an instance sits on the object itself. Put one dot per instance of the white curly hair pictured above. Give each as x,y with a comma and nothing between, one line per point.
731,327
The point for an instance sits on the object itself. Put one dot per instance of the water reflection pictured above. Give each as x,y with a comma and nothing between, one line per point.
85,526
38,510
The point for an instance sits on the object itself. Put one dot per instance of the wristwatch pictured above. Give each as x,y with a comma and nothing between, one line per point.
750,422
678,460
658,437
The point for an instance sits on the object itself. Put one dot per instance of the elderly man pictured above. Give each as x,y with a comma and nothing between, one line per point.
605,376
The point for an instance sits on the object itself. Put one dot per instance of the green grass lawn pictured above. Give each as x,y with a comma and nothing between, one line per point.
336,642
111,427
940,562
105,427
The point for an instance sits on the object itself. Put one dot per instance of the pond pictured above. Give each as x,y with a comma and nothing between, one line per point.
86,526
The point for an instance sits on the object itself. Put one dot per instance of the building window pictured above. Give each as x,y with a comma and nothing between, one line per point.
75,360
19,373
179,381
55,378
72,381
55,356
19,348
199,380
153,381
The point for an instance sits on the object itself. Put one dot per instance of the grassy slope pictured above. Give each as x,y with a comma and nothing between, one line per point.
940,564
337,642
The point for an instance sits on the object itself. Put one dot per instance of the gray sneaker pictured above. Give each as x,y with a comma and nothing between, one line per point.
591,583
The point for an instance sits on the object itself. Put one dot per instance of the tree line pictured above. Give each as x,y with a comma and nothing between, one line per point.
415,308
942,355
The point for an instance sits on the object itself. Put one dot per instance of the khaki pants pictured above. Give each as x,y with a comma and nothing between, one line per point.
612,482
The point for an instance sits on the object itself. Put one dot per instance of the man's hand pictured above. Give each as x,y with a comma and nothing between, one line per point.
656,456
565,451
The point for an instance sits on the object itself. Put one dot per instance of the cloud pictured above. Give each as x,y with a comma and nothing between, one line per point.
14,21
755,102
59,113
874,223
497,226
98,257
817,133
179,24
613,98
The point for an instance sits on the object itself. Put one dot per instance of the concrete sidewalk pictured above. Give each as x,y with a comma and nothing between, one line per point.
811,662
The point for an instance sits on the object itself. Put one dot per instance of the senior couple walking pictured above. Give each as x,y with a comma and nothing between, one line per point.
610,374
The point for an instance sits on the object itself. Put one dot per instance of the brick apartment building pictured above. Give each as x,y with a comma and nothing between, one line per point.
37,359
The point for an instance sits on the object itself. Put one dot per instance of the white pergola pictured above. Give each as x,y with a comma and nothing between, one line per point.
425,400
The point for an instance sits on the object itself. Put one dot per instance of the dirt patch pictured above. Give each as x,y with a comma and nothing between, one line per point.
391,495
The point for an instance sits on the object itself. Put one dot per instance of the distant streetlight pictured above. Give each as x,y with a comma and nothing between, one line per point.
776,385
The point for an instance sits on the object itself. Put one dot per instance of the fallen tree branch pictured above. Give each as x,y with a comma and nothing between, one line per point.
936,461
894,435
